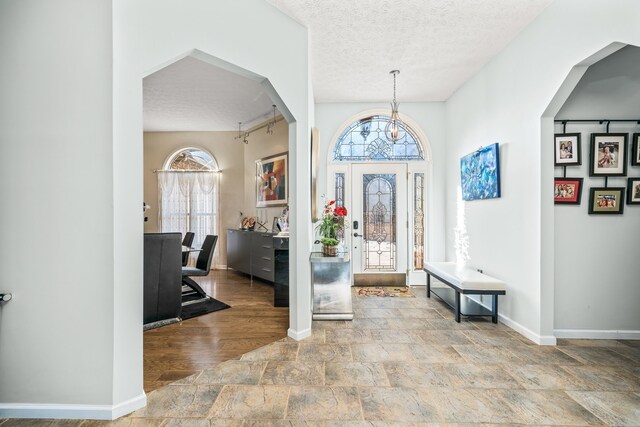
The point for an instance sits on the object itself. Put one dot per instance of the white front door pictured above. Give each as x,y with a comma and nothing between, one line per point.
379,205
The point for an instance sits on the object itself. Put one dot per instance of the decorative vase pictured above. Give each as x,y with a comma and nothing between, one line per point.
330,250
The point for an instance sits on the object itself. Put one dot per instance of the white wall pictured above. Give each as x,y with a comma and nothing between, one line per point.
596,255
71,116
149,34
330,119
512,237
56,187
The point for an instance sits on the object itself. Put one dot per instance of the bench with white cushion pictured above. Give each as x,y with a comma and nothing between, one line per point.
464,281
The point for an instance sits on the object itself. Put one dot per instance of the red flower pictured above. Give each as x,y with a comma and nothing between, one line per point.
333,202
340,211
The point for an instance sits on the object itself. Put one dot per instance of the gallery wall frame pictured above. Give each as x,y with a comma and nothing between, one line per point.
567,191
567,149
635,150
480,173
272,186
633,191
606,200
608,154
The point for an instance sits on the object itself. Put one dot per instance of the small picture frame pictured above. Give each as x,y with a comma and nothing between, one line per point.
567,191
633,191
567,149
608,154
635,151
606,200
275,227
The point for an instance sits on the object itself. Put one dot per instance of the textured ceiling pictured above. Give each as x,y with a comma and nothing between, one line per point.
436,44
191,95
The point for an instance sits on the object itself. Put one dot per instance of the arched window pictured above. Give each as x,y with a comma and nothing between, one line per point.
191,159
188,194
365,140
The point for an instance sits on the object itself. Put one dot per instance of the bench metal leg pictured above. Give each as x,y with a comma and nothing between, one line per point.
457,308
428,285
494,314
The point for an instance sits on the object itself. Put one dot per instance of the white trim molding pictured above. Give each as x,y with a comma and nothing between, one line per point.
592,334
70,411
522,330
299,335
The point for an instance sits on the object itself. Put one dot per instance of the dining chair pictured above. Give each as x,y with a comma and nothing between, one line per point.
187,241
203,265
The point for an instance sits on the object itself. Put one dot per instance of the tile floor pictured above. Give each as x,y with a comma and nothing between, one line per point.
403,361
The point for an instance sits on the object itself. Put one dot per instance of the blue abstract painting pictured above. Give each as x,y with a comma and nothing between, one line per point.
480,173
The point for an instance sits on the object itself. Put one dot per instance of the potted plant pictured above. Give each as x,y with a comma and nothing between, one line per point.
333,219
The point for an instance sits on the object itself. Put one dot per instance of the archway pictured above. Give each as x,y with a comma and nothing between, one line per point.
574,305
360,156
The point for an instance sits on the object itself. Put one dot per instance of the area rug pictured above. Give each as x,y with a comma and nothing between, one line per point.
383,291
201,306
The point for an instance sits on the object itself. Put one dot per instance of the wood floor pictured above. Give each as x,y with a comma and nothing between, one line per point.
176,351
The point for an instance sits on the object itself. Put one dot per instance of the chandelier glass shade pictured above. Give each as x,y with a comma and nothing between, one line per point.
394,130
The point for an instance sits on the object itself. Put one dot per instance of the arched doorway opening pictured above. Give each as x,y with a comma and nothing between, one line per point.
592,103
385,187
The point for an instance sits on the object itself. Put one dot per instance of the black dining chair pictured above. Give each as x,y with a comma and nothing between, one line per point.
203,265
187,241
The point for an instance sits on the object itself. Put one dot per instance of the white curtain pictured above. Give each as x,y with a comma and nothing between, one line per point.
188,201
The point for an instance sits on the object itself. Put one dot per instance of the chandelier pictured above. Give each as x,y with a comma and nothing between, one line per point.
394,129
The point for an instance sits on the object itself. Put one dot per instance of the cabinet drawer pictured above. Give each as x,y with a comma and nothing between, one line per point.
263,272
262,253
262,241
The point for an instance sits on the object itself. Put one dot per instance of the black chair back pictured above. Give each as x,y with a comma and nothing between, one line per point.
162,277
187,241
206,254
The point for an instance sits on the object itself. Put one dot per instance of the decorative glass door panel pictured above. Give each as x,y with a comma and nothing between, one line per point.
380,208
379,222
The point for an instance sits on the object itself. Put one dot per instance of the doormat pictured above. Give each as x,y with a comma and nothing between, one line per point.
383,291
202,306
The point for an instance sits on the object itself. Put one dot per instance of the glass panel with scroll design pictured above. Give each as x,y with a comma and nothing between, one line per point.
339,194
365,140
418,221
379,217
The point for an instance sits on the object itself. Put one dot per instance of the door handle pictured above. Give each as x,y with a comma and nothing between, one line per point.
357,235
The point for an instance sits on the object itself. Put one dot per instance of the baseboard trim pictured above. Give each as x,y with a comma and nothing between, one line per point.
592,334
522,330
72,412
299,335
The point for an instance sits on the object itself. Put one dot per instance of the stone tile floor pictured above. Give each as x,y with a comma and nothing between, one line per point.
403,361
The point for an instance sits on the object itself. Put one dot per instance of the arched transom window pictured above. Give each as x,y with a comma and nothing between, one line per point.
365,140
192,159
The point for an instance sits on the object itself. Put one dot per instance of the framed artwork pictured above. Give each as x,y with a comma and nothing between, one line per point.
480,173
606,200
633,191
608,154
567,149
275,227
635,151
272,187
567,191
315,141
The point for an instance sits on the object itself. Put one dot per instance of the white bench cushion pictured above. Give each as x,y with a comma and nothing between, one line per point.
464,278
